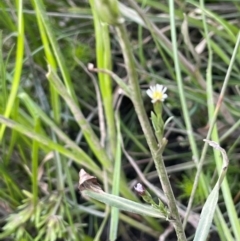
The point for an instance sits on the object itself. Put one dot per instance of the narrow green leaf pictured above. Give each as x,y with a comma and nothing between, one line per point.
207,215
124,204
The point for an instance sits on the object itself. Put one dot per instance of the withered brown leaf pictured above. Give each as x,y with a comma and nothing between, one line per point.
88,182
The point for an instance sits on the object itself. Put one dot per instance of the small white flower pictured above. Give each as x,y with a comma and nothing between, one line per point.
140,189
157,93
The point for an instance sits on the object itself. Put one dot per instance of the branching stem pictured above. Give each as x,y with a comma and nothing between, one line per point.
147,129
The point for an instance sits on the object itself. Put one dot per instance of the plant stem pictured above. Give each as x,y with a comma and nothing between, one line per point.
147,130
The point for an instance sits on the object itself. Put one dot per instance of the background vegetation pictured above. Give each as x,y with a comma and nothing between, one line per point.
49,132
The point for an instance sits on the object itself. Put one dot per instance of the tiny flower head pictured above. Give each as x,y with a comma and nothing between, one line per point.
140,189
157,93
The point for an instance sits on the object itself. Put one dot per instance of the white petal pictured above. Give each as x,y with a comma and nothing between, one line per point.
164,97
149,93
153,88
164,89
159,88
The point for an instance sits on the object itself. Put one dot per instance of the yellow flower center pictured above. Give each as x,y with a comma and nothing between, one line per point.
157,95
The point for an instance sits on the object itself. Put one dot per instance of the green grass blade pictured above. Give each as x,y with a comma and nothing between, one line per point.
90,136
3,73
18,66
35,156
33,107
104,61
116,184
79,156
230,29
56,106
56,48
220,225
232,212
101,228
181,85
5,17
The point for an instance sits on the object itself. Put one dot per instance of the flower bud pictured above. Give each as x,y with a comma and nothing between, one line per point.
140,189
108,11
146,196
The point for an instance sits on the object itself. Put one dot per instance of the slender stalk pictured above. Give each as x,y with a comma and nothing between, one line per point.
147,130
